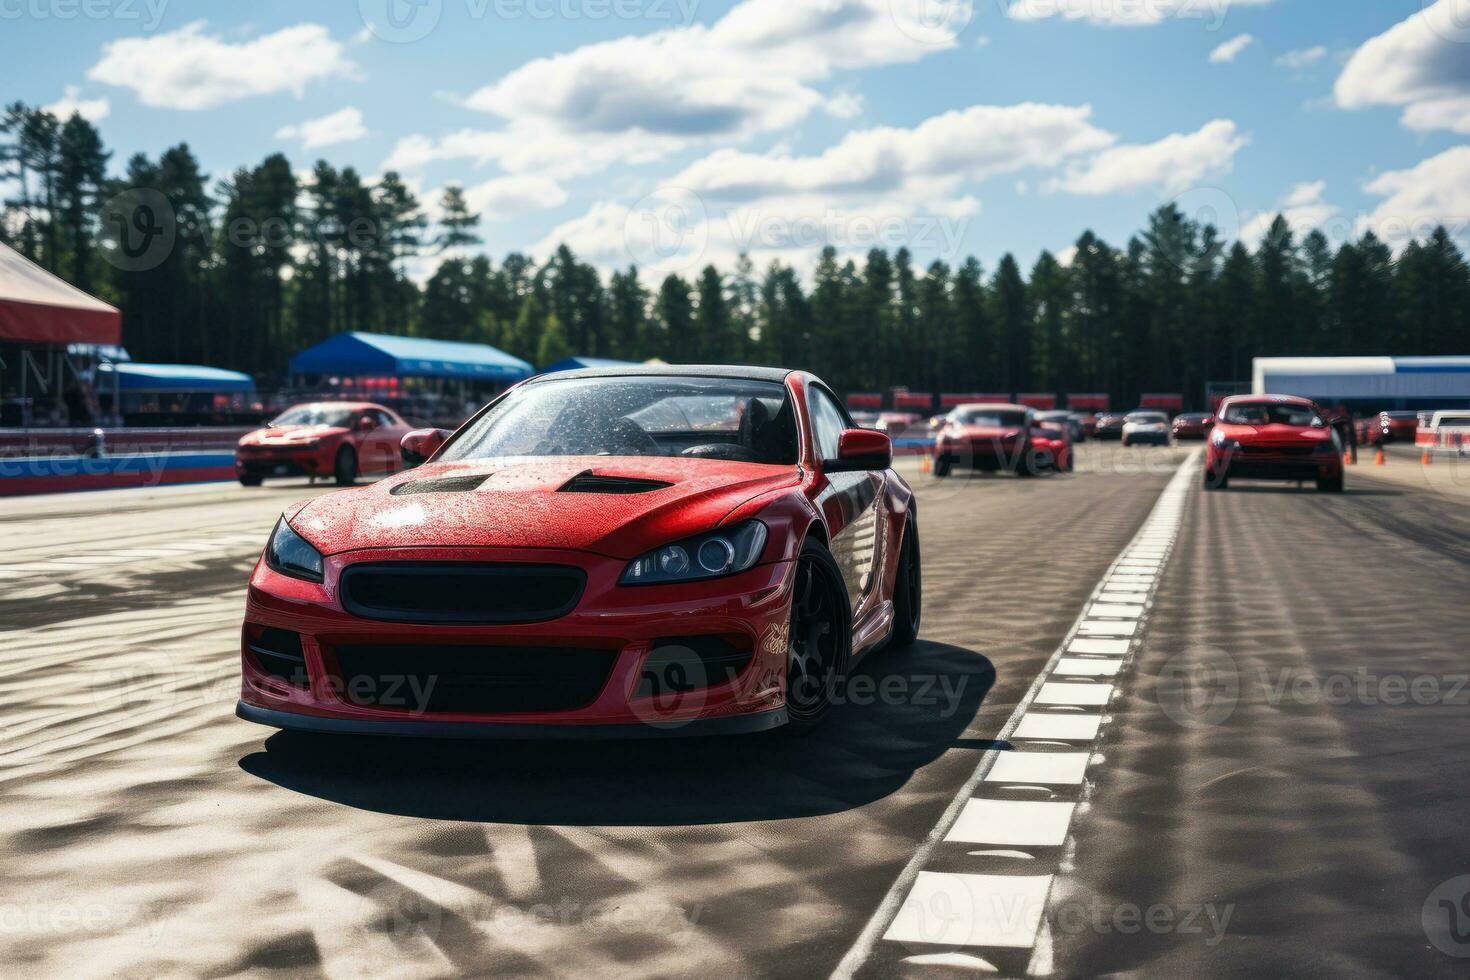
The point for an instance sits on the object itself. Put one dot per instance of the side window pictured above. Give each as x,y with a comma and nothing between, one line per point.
827,422
383,419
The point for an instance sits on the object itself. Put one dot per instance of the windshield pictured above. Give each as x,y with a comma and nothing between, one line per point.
1271,413
1148,417
709,418
314,415
994,418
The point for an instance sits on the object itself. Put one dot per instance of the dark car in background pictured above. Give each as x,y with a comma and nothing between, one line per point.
1110,426
1193,425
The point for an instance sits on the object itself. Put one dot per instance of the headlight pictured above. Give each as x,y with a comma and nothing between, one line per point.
1221,441
723,552
290,554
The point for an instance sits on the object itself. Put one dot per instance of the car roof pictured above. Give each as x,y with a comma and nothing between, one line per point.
743,373
1266,399
990,407
349,406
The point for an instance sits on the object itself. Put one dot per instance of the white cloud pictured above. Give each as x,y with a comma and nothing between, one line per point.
926,162
1419,64
1302,58
1436,192
188,69
1128,13
883,187
1231,49
511,197
1304,207
71,101
844,105
640,98
342,126
1174,163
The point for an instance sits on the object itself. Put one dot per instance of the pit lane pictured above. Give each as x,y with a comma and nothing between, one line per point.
148,832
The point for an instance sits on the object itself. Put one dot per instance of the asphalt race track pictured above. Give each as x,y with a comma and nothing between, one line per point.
1148,731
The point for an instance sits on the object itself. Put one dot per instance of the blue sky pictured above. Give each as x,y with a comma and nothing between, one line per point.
675,132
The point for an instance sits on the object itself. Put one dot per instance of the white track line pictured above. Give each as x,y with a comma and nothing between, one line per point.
985,911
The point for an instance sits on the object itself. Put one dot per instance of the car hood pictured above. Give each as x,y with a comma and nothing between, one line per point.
285,435
1274,435
983,432
535,503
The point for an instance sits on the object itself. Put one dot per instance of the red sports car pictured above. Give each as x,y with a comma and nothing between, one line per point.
990,438
336,439
1273,437
607,552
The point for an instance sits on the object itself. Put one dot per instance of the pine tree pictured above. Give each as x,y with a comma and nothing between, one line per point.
458,222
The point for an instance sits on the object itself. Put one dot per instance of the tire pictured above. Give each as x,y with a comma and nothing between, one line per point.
1125,443
942,467
1332,484
344,469
821,639
248,479
1213,482
1026,464
908,591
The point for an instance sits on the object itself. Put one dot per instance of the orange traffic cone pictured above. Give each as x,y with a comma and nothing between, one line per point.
1428,458
1347,459
1378,458
926,466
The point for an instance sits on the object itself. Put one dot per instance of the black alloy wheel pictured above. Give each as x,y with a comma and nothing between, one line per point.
821,638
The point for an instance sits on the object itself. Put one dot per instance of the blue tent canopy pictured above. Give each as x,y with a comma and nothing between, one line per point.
409,357
132,376
579,363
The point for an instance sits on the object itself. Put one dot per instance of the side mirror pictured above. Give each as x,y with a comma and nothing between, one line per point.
859,450
420,444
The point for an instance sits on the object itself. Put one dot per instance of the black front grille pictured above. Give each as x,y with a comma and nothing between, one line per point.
1293,452
277,652
417,679
687,663
461,592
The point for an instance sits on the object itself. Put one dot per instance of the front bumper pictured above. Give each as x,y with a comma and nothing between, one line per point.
283,460
627,658
1273,466
295,722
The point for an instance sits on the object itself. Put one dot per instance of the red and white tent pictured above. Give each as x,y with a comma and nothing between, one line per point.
38,308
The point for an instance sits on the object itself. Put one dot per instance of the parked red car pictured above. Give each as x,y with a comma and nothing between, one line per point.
989,438
615,552
1273,437
336,439
1193,425
1053,441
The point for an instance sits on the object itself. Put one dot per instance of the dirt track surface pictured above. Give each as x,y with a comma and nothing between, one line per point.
148,832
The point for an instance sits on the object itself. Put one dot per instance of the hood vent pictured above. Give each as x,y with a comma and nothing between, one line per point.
590,482
446,484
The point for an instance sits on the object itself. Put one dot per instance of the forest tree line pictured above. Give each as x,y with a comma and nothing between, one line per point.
266,261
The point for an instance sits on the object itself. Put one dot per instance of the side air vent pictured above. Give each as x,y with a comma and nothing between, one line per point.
590,482
446,484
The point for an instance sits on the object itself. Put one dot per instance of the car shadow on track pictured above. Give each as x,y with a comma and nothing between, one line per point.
915,705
